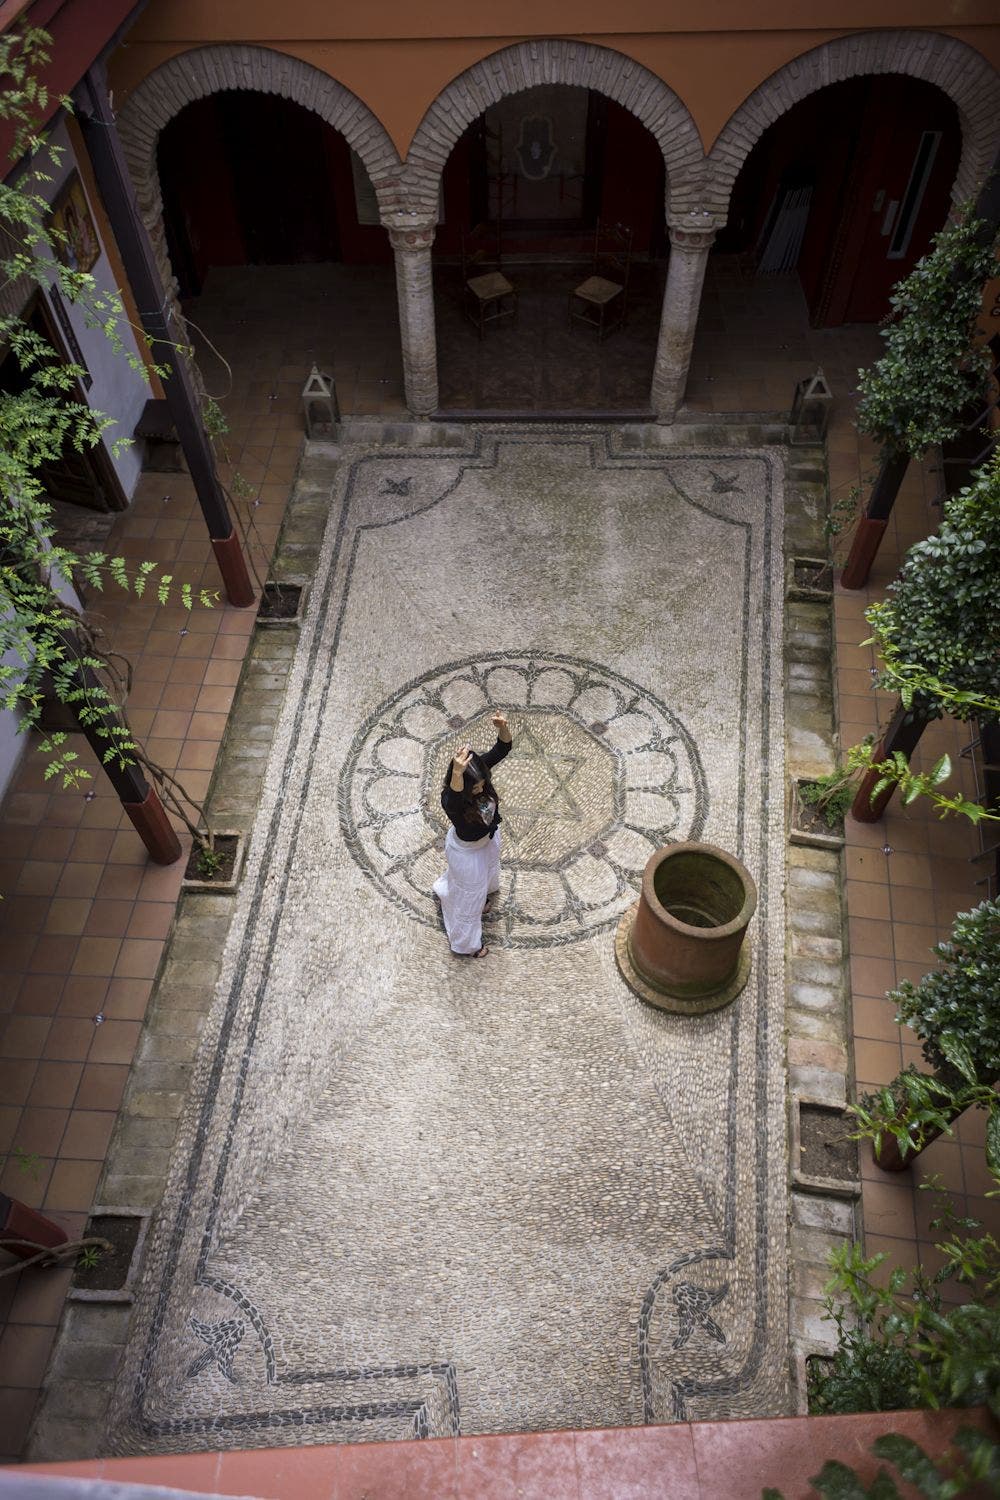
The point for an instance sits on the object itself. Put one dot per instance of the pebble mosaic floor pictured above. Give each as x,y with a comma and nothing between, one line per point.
417,1194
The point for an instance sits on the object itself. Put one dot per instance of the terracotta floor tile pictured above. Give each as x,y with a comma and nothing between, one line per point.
207,726
65,809
222,673
69,1039
16,840
24,1036
170,723
96,956
16,1408
80,880
55,1084
67,915
40,1131
72,1185
39,877
875,1019
128,849
198,755
911,905
180,697
83,995
10,1118
127,999
27,1179
39,994
872,976
139,958
911,869
120,883
102,812
88,1133
888,1208
163,882
151,919
39,1299
876,1062
868,900
867,865
92,845
51,843
17,1076
102,1086
53,955
188,671
115,1042
108,918
16,949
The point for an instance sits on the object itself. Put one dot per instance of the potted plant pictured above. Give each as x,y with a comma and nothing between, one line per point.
916,395
955,1011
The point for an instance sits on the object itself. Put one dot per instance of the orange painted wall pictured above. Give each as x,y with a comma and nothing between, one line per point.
397,56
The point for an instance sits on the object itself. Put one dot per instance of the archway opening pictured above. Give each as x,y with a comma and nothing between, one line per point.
536,184
844,191
273,232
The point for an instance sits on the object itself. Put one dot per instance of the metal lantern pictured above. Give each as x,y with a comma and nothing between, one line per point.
810,410
319,405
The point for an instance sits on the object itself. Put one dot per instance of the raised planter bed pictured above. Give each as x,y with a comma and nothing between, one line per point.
806,824
282,604
110,1276
809,580
223,881
822,1159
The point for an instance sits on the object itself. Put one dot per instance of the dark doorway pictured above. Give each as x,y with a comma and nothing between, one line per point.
533,177
88,478
253,179
846,190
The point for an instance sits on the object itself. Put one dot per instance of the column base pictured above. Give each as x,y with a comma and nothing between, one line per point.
864,549
232,565
153,826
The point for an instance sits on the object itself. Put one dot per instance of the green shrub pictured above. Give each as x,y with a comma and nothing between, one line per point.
958,1004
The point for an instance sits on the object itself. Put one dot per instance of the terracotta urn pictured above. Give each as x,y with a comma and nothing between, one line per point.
683,945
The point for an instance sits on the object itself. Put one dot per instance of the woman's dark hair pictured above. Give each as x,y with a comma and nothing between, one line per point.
475,771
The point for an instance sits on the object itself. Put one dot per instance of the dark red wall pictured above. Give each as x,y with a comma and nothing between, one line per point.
854,139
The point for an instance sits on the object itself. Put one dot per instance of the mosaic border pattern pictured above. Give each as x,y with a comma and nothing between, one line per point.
484,452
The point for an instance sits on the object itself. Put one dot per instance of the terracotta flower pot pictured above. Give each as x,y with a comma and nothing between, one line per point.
683,945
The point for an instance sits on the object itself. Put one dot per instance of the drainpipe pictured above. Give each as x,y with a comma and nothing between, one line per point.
104,147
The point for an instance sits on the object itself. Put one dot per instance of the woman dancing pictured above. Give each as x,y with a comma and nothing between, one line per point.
472,844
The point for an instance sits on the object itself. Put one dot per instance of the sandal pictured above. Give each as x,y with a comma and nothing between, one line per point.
482,952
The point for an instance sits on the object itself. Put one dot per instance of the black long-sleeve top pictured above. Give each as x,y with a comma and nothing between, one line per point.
469,829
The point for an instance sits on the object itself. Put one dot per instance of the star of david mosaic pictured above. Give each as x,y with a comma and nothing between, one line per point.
601,774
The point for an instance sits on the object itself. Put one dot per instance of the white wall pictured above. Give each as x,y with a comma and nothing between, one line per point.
117,390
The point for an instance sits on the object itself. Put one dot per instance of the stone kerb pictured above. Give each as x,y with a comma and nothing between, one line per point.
582,65
954,67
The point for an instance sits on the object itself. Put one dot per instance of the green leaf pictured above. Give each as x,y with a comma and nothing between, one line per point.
913,1464
993,1137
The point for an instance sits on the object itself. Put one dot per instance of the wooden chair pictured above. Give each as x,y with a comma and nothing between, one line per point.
487,294
602,300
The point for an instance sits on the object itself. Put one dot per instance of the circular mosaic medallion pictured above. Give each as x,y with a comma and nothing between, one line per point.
601,774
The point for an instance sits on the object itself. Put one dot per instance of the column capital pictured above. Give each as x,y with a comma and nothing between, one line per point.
693,231
406,234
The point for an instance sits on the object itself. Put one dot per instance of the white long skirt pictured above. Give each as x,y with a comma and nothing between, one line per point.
473,874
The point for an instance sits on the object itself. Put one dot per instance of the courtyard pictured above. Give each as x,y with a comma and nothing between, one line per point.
411,1193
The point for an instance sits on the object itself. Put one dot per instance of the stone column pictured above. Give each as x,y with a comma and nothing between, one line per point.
691,237
411,246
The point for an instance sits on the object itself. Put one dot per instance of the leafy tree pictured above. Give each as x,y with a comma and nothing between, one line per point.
938,630
916,394
955,1009
50,645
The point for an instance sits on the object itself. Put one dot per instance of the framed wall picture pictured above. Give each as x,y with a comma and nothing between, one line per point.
71,217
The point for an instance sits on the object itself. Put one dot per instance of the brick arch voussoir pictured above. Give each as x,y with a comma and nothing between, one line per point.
556,61
954,67
202,71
